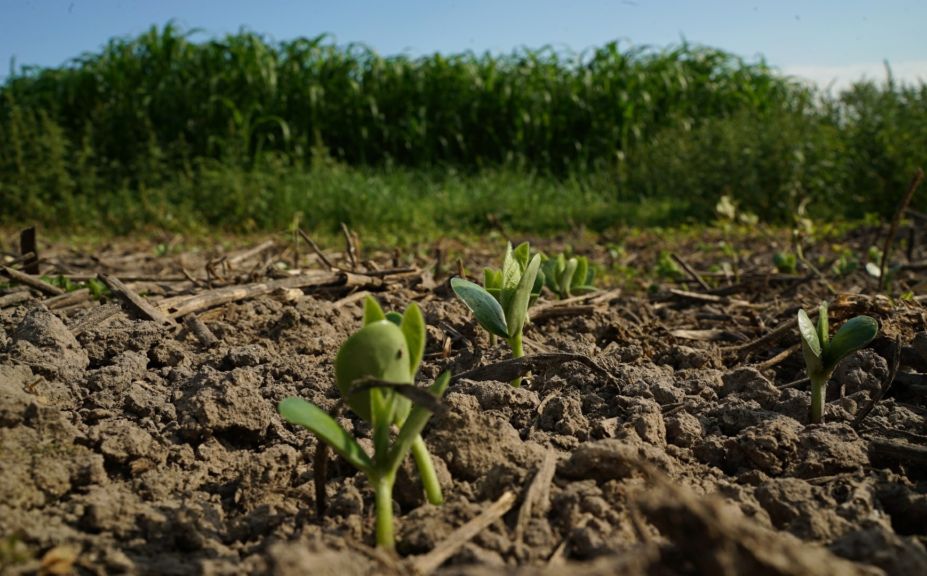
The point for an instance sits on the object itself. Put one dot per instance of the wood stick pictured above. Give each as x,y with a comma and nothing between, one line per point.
512,368
537,494
248,254
29,249
896,219
690,271
557,311
428,563
31,281
202,332
69,299
211,298
773,335
140,305
350,248
780,357
711,298
316,249
14,298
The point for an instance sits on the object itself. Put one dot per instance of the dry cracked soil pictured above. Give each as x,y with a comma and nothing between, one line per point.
128,446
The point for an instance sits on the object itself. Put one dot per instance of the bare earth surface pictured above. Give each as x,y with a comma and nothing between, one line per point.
152,446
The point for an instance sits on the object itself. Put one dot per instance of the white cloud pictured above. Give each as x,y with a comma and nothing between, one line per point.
839,77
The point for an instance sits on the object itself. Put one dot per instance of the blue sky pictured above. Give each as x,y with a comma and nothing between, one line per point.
823,40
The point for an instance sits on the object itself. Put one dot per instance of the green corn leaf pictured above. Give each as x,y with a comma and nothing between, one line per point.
298,411
377,351
372,311
517,311
485,306
810,344
413,328
853,335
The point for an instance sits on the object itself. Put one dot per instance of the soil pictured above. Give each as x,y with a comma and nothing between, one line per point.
134,446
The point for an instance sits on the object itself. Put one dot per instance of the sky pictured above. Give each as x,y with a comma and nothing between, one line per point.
829,42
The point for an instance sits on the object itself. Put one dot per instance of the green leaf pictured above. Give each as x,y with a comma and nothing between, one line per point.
298,411
492,279
522,253
549,273
377,351
810,344
511,271
518,306
566,277
823,327
394,317
485,307
853,335
372,311
581,273
413,328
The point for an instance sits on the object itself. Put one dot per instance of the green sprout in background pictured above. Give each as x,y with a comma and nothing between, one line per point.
501,306
822,353
371,369
568,277
785,262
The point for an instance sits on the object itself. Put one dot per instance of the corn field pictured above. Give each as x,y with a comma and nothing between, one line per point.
149,120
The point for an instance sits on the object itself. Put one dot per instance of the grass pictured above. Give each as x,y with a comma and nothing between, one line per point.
242,134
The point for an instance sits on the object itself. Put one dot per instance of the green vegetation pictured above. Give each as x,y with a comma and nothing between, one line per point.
501,305
568,277
241,134
822,353
371,370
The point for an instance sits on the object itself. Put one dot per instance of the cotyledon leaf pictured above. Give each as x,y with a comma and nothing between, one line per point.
413,328
484,306
853,335
298,411
378,351
372,311
810,344
518,306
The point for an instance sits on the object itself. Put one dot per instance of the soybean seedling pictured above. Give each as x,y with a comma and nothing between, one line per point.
567,277
501,307
374,371
822,353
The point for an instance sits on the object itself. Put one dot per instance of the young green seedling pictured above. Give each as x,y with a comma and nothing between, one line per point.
371,370
785,262
502,306
822,353
567,277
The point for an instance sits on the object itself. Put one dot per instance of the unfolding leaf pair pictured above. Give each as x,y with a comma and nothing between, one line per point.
822,353
568,277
